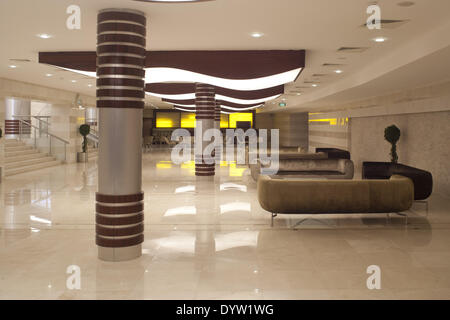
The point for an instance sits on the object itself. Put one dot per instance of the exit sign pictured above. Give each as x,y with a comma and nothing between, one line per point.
282,104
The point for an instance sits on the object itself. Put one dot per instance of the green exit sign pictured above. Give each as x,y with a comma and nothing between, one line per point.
282,104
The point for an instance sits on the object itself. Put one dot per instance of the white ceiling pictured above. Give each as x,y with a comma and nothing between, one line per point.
319,26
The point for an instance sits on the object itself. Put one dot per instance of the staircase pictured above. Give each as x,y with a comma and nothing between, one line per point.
20,157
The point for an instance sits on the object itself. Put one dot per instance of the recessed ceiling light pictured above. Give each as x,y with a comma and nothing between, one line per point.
73,81
257,34
379,39
314,85
299,94
338,71
44,36
13,66
49,75
89,85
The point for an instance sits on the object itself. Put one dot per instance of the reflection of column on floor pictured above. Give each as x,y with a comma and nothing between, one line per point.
205,104
116,280
207,216
120,99
13,202
218,151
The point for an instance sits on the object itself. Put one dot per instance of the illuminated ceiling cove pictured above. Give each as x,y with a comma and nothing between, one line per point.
244,79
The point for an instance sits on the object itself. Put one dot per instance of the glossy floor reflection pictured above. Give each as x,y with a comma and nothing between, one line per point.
210,239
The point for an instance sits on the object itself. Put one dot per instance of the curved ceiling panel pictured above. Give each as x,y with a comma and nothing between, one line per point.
191,96
191,102
236,70
192,109
233,65
178,91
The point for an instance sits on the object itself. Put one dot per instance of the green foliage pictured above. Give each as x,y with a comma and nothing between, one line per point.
392,135
84,131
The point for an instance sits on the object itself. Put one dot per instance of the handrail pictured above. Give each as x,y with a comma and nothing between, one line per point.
37,118
48,133
49,137
92,137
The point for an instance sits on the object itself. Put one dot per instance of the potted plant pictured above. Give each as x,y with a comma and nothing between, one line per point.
84,131
392,135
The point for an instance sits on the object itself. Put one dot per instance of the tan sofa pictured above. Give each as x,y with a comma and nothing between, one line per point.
335,196
308,166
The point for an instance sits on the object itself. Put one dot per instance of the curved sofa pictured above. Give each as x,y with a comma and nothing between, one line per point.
335,196
308,166
422,180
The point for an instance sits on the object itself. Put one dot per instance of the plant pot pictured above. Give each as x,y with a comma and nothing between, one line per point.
82,157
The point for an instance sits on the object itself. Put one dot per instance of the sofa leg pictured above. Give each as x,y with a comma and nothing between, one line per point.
273,216
403,215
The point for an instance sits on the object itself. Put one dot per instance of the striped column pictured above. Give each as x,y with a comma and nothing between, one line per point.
120,99
205,104
218,150
16,110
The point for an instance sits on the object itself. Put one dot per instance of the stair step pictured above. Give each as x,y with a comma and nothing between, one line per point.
10,172
9,141
17,148
29,162
14,144
30,156
20,153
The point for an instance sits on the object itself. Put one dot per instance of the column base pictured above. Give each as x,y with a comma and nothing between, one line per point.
119,254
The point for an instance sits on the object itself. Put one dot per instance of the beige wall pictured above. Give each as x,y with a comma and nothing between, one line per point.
293,127
424,143
328,134
423,116
264,120
59,104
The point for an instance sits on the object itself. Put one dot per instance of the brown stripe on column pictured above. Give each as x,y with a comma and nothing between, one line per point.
139,40
132,93
119,242
136,71
119,82
122,49
104,209
128,17
121,104
16,127
119,221
108,60
104,198
119,232
121,27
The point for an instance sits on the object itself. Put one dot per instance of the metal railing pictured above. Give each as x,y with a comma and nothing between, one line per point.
23,124
93,136
43,122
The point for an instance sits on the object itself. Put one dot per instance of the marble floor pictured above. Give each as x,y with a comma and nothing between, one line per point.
212,240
